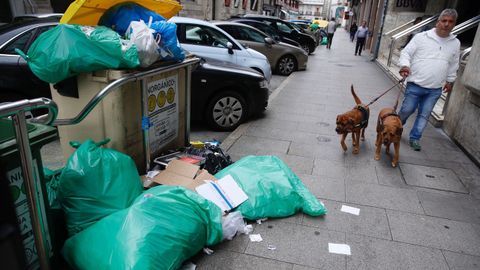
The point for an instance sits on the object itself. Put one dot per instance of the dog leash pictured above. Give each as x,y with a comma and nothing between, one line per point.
375,99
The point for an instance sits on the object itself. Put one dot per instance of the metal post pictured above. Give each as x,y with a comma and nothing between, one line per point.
38,223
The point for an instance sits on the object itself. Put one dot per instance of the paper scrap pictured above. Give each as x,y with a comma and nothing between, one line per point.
247,229
350,210
339,248
152,174
271,247
255,237
207,251
259,221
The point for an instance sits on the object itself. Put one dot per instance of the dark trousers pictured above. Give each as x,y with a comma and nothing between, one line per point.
329,40
359,45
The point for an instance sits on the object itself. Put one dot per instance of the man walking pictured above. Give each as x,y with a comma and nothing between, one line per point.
331,27
429,60
361,34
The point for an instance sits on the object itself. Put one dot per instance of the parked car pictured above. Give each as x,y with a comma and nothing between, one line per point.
286,29
225,94
267,29
305,28
207,40
16,79
283,58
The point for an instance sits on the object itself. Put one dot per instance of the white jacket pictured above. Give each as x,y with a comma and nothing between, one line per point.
432,59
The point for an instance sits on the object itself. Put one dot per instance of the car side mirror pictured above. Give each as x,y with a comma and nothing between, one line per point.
230,47
269,41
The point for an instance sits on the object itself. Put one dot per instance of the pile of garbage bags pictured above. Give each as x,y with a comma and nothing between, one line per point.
127,36
114,224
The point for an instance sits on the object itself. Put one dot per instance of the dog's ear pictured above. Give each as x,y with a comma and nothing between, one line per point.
399,131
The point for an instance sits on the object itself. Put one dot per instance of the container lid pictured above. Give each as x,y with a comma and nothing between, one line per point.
7,131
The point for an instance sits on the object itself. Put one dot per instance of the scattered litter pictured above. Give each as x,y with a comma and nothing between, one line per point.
350,210
152,174
232,224
207,251
259,221
248,229
271,247
188,266
255,238
339,249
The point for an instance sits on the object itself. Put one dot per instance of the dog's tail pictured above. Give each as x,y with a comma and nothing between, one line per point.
357,100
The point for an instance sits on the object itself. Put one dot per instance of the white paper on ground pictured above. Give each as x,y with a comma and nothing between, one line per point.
188,266
152,174
350,210
255,237
339,248
225,193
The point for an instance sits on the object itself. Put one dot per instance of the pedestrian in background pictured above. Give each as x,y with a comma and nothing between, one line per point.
353,30
361,34
331,28
429,61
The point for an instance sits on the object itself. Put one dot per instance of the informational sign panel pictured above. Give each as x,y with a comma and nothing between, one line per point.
18,190
162,99
409,5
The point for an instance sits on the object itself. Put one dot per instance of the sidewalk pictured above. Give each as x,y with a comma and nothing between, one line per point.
423,215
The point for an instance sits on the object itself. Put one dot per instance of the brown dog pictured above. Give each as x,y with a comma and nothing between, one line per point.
389,130
354,121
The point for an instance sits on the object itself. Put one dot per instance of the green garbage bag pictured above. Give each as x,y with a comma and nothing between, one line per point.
272,188
96,182
52,179
165,226
67,50
324,41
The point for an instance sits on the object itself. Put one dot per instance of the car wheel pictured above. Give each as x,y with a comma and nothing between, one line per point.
286,65
226,111
306,48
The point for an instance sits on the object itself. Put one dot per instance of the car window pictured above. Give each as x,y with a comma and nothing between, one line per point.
205,36
283,27
251,35
20,43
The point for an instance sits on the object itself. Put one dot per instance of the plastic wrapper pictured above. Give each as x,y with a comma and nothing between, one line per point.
272,188
68,50
169,45
95,183
164,227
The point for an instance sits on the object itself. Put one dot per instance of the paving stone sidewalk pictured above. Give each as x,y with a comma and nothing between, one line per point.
425,214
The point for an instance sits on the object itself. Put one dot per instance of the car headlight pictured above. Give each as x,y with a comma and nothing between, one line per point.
264,84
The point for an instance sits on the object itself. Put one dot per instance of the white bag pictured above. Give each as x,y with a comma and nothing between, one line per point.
142,36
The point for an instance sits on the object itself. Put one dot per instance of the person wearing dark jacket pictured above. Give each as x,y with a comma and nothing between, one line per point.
353,30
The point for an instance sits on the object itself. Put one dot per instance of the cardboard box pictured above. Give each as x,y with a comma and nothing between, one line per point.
179,173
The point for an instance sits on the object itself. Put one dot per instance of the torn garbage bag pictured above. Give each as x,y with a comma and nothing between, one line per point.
165,226
67,50
272,188
95,183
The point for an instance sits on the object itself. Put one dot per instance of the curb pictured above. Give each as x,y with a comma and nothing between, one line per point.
240,130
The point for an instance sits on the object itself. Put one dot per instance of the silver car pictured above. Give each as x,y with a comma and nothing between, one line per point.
283,58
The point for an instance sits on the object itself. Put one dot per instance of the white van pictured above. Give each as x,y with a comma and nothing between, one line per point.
205,39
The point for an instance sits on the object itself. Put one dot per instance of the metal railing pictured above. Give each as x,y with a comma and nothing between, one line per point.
405,32
16,110
464,54
398,28
458,29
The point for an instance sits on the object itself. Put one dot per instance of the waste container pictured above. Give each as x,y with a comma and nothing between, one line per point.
10,160
143,112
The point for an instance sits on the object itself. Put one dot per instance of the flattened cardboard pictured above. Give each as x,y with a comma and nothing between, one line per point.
181,173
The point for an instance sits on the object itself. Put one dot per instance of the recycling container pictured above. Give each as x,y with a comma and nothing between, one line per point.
144,112
39,135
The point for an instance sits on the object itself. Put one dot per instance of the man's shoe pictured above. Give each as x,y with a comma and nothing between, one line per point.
355,54
415,145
